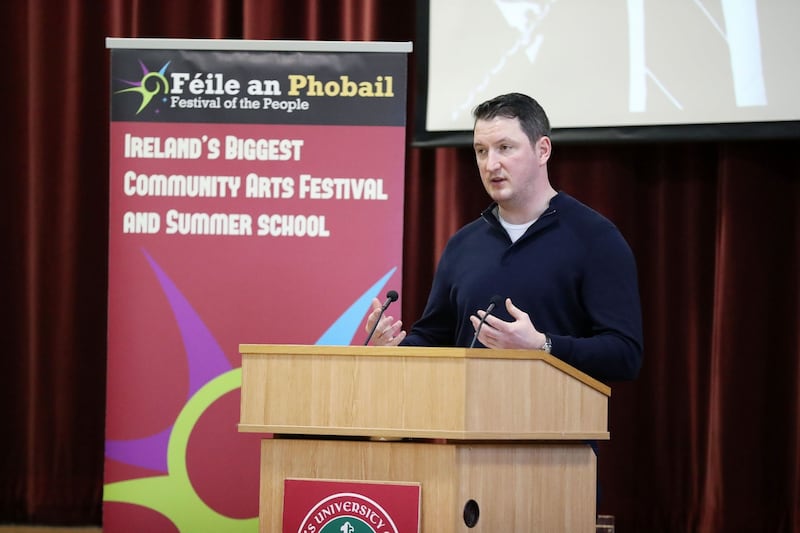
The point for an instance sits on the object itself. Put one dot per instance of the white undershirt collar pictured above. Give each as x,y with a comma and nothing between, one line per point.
515,231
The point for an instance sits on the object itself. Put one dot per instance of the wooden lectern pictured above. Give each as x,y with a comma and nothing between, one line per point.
505,430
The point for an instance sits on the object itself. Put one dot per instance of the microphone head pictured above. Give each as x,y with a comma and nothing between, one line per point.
392,296
493,302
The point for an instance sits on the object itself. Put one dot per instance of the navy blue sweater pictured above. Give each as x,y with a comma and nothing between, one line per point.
572,272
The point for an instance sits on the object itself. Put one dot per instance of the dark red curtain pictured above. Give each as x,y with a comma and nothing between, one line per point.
707,439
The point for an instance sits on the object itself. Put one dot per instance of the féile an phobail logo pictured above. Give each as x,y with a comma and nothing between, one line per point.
152,84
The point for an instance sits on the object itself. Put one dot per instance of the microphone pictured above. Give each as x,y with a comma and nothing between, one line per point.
391,296
494,302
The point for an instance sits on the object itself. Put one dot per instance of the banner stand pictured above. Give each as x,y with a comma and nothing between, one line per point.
255,195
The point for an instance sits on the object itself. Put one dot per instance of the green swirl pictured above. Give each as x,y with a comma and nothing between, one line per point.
173,495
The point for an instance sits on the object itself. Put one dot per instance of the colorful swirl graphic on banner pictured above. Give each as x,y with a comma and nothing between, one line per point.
211,377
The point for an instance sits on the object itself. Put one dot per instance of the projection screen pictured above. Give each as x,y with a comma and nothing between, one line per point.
613,69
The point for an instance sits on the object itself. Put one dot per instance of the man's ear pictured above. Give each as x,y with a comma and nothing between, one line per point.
543,149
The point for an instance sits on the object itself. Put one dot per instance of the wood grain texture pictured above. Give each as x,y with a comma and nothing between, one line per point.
518,487
447,393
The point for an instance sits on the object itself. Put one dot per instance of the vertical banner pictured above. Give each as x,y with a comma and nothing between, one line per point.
256,196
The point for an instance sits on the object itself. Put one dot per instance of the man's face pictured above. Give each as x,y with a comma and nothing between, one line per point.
508,164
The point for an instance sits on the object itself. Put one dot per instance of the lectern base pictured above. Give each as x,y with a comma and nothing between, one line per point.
517,487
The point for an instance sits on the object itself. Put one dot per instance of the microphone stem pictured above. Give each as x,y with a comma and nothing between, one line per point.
375,325
380,315
480,324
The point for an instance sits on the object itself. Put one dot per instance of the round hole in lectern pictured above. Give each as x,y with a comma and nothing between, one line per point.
471,513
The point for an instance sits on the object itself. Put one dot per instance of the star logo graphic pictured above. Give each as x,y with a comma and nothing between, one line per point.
151,84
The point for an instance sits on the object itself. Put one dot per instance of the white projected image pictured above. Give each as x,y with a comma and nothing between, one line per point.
601,63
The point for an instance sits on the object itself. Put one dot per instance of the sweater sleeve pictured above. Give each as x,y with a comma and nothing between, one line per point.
436,326
610,292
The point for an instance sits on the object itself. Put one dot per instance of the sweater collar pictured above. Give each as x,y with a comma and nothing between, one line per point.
491,213
492,216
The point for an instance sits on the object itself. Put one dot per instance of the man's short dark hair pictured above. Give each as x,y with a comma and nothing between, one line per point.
532,118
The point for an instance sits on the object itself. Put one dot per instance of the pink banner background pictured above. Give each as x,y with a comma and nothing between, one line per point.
180,305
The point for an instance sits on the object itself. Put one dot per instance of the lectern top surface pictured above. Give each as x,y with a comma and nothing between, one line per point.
414,351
